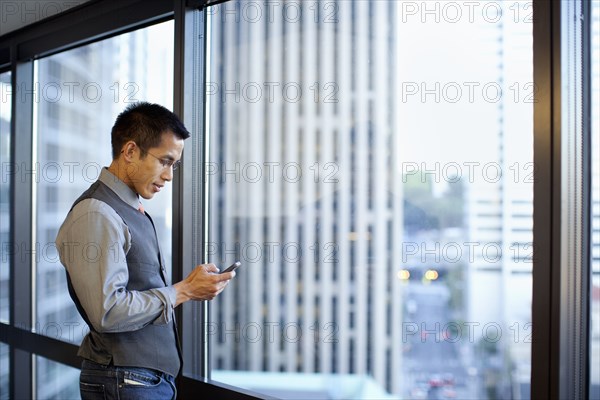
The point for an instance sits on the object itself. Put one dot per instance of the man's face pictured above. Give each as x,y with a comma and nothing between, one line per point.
147,176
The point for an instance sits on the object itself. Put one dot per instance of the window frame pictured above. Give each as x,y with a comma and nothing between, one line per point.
560,289
101,19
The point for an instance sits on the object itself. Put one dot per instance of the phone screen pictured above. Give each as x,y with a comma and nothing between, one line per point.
232,267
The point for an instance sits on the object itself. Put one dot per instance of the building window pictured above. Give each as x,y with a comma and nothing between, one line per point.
403,198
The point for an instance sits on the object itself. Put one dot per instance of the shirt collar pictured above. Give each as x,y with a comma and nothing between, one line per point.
119,187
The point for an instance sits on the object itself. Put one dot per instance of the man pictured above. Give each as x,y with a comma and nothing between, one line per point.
115,269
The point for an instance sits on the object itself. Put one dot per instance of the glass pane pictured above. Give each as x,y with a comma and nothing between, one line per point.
5,162
595,214
4,372
372,170
56,381
80,93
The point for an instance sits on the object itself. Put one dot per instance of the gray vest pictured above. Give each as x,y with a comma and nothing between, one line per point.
153,346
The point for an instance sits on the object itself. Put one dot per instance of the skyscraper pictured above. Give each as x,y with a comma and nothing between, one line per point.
305,188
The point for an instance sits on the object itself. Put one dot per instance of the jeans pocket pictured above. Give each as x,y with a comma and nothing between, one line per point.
92,391
144,385
136,378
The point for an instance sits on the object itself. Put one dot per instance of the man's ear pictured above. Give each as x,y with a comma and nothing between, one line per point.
129,150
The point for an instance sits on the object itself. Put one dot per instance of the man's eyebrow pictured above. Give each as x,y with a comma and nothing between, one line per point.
168,157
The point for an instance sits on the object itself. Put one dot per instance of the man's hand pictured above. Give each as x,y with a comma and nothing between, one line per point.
203,283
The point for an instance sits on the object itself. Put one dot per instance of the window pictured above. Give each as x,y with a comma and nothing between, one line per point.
56,381
368,229
370,164
80,92
5,163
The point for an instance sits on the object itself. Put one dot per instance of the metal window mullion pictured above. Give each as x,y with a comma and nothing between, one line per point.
180,213
575,149
188,200
205,190
546,52
587,159
561,202
21,315
574,266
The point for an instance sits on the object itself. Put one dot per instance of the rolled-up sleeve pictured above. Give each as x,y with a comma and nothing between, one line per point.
92,244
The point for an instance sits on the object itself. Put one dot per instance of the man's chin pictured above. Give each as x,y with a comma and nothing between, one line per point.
147,196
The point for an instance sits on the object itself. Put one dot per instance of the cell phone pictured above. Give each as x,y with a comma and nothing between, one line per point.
232,267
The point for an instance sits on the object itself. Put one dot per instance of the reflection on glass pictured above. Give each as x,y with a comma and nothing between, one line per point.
371,167
595,212
80,92
5,161
55,381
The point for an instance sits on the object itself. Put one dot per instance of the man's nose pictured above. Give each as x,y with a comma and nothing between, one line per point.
167,174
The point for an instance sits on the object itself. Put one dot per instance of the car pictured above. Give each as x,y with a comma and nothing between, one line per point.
448,379
436,381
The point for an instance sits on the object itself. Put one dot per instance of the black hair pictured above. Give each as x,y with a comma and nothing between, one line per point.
144,123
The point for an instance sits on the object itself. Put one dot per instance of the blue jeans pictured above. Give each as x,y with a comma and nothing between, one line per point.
104,382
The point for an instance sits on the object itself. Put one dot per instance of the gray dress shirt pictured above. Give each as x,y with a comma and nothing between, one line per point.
92,244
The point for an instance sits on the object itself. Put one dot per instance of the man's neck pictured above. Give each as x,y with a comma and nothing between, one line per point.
119,170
